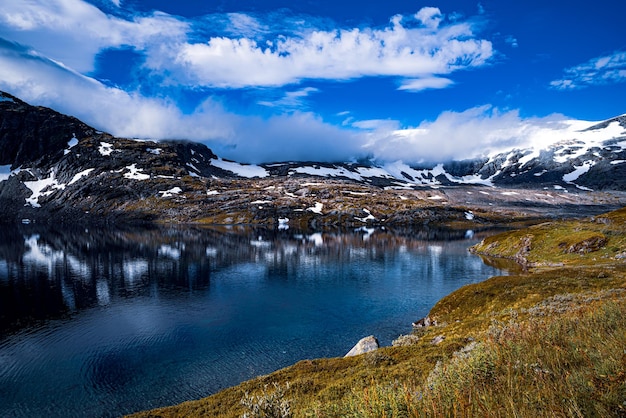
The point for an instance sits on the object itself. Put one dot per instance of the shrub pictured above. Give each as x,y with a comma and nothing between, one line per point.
270,404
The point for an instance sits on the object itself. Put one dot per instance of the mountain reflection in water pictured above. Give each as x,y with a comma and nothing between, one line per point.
107,322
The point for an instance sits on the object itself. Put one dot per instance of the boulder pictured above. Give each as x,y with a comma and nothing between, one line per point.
365,345
424,322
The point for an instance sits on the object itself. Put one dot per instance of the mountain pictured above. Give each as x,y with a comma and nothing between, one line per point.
54,167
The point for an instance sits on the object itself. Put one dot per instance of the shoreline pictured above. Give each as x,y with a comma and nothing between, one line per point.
464,318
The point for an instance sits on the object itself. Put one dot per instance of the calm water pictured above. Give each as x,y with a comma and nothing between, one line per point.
102,323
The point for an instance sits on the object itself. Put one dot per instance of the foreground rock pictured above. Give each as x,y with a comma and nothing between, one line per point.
365,345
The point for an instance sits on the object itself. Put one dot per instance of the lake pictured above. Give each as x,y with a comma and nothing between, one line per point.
100,322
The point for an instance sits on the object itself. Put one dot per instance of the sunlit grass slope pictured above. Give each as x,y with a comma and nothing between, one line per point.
548,341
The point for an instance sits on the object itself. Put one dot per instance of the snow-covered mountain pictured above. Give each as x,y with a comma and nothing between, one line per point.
55,164
590,156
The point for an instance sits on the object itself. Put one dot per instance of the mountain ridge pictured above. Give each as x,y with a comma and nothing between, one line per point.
54,166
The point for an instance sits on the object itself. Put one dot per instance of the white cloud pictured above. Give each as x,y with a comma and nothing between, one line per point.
420,84
295,137
429,16
511,40
245,25
604,70
335,55
74,32
478,131
39,80
291,99
247,51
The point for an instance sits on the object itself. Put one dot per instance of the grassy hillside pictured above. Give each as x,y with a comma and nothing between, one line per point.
549,341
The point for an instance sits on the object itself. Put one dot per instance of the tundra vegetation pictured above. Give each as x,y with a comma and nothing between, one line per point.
546,340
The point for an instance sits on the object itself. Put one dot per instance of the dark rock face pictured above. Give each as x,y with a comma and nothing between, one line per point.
29,134
65,170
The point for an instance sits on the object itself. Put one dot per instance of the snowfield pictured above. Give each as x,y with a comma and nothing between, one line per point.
242,170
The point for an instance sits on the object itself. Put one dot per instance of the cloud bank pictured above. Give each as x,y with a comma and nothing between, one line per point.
476,132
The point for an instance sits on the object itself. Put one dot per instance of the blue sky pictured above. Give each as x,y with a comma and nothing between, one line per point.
321,80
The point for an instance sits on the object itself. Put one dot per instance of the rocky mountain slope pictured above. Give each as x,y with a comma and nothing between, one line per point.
55,168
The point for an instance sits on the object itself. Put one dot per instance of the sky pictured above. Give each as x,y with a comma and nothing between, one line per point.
321,80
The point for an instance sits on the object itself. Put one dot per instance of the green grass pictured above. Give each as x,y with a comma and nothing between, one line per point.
571,365
550,341
565,242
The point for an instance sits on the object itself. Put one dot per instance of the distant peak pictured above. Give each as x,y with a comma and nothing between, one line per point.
621,119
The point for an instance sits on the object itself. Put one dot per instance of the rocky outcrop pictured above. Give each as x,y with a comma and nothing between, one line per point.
30,134
587,245
365,345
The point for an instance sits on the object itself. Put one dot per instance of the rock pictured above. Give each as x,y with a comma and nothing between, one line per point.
424,322
405,340
588,245
525,247
438,340
365,345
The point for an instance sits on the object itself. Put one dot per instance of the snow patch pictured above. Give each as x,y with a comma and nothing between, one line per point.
356,193
80,176
469,215
327,172
171,192
471,179
37,188
242,170
578,171
528,158
70,144
105,148
212,192
581,141
6,99
135,173
317,208
155,151
409,176
369,216
615,162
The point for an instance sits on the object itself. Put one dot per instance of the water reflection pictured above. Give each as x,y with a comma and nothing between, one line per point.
48,273
106,322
